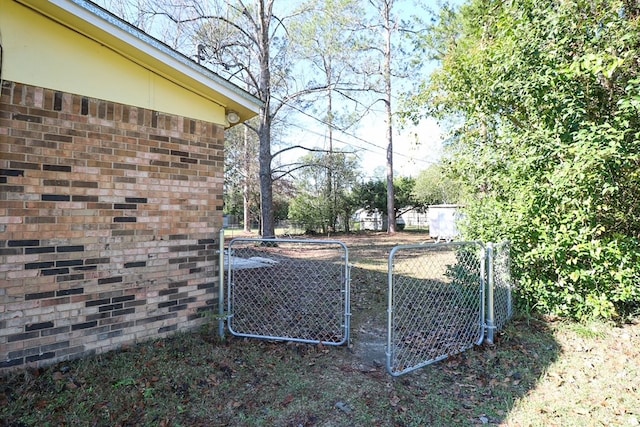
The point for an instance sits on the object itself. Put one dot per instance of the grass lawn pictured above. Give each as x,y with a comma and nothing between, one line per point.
540,372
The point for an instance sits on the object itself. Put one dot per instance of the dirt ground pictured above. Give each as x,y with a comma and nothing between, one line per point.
368,254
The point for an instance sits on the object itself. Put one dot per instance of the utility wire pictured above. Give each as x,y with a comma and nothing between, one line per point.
383,149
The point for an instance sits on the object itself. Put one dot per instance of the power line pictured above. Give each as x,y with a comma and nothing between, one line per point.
315,132
383,149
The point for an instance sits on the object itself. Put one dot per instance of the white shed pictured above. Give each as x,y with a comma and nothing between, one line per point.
443,221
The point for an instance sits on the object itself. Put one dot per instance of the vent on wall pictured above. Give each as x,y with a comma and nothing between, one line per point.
85,106
57,101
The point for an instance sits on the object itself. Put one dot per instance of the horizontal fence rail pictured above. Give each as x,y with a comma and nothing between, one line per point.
435,305
287,289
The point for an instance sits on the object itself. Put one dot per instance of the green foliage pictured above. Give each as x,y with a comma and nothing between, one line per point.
466,276
546,101
323,197
372,195
309,211
434,187
124,382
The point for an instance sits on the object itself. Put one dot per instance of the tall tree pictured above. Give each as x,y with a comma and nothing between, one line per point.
389,27
383,39
251,42
246,49
326,41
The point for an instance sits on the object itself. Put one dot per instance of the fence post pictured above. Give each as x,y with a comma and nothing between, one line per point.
221,286
507,249
490,321
347,317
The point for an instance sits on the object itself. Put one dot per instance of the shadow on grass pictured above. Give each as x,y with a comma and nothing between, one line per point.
478,386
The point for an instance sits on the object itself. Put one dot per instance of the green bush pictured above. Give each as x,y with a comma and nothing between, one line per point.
546,97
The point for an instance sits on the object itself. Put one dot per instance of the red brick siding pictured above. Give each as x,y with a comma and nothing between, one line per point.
109,224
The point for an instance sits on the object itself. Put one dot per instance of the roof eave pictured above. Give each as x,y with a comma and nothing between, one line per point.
154,52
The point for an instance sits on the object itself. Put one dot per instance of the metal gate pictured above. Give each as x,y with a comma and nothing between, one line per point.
442,298
435,306
437,303
286,289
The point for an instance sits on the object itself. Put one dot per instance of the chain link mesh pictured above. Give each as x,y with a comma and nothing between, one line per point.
502,284
294,290
435,303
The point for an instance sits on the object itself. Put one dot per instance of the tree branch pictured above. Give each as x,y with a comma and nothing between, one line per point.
312,150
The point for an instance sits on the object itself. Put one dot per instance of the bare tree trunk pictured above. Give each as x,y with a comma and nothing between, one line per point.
391,216
266,183
245,185
264,131
330,187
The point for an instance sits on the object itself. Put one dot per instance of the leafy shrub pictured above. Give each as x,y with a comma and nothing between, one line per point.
547,101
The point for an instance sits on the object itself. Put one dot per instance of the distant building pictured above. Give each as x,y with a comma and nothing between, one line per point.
367,220
443,221
416,218
374,220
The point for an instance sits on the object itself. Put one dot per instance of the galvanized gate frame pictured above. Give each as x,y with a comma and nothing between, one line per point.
296,284
494,312
419,332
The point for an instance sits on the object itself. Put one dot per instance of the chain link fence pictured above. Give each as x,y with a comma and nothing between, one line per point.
442,298
438,294
286,289
502,285
435,303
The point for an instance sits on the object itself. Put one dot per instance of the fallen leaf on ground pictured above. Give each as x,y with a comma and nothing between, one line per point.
287,400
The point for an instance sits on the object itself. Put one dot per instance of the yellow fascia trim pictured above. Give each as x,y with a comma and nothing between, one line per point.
51,48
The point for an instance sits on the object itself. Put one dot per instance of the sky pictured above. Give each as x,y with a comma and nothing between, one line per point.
415,147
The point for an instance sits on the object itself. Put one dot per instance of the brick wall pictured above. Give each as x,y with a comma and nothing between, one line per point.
109,224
